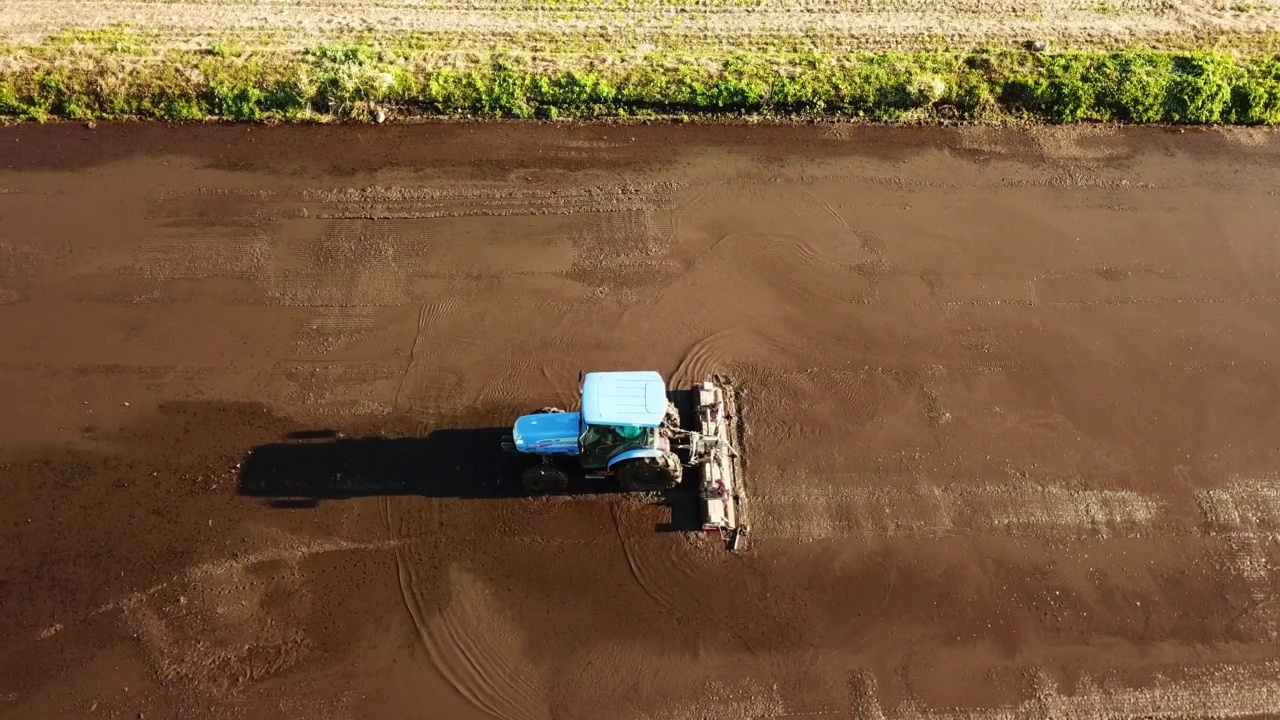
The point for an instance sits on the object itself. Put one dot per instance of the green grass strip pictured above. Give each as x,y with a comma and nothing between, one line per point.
362,83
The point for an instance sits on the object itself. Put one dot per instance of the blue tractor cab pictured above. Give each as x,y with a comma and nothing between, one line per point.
623,429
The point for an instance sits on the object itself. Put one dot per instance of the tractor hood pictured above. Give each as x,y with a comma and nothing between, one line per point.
547,433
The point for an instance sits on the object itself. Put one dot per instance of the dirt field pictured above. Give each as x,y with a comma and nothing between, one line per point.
556,28
1012,405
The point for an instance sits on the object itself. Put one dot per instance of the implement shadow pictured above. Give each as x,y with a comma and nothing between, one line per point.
324,465
467,463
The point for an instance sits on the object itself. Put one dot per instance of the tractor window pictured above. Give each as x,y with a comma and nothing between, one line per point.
601,442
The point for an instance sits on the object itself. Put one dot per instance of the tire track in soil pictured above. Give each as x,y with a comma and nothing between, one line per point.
472,647
677,574
423,315
722,351
658,588
438,390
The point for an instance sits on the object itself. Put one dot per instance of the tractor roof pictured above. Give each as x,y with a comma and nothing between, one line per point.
624,398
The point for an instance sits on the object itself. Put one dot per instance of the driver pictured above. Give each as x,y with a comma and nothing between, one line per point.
628,432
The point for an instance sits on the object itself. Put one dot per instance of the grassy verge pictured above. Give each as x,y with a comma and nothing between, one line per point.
360,83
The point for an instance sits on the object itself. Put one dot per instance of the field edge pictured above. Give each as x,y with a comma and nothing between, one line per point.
102,77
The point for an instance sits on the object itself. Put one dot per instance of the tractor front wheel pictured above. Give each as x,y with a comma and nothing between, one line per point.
544,478
649,474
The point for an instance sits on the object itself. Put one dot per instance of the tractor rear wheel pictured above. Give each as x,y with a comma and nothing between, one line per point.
647,474
544,478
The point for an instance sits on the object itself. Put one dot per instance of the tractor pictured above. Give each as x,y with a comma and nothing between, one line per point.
628,430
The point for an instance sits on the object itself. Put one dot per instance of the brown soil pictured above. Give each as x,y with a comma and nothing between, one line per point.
1012,404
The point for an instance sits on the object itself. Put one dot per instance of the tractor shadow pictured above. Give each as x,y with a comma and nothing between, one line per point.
465,463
